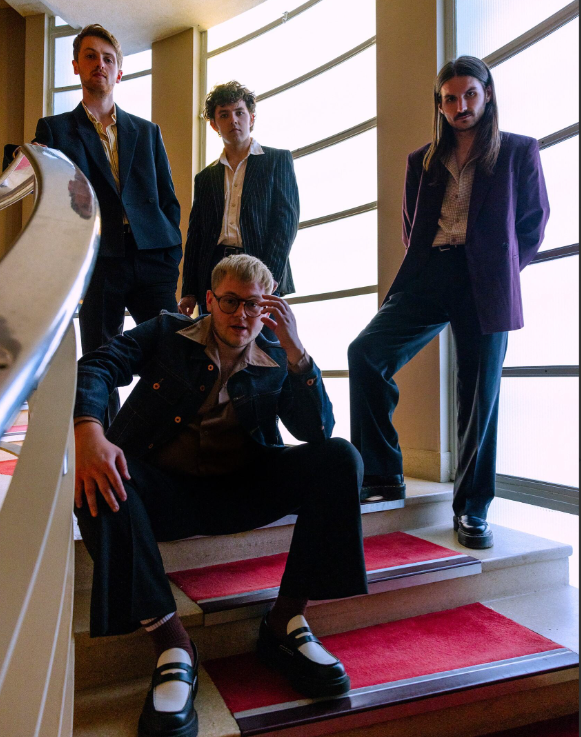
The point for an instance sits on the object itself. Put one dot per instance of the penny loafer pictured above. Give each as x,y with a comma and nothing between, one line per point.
305,675
183,723
473,532
383,488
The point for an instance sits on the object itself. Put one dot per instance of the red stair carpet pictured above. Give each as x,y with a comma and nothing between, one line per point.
229,579
392,663
7,467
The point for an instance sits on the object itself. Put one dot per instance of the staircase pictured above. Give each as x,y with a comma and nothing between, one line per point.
522,577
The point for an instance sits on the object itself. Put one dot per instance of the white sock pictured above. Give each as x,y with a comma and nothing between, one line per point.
172,695
311,650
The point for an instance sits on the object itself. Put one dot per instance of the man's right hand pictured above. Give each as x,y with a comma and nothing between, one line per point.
100,467
187,305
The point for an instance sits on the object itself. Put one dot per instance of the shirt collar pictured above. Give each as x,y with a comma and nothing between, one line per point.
201,332
94,120
254,150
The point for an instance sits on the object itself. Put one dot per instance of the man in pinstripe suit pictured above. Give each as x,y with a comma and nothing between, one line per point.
246,202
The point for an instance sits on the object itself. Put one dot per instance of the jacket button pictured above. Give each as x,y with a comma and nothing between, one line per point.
211,367
178,420
505,246
151,199
150,446
202,388
310,382
156,386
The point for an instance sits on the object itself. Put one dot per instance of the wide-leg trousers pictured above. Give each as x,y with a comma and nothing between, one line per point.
408,321
318,482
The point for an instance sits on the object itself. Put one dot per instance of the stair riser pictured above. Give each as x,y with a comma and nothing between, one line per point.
104,660
205,551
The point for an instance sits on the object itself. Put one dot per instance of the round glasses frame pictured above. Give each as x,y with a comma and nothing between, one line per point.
251,307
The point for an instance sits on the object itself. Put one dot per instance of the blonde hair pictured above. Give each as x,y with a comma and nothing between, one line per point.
246,269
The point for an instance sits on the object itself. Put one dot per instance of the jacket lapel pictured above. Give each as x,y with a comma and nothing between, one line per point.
90,139
217,186
126,142
480,187
253,169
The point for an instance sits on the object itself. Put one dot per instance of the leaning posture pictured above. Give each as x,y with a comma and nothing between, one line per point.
196,450
475,209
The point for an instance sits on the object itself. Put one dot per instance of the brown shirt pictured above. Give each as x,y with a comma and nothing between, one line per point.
453,221
214,443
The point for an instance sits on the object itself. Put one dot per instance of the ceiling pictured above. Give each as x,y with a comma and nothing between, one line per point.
136,23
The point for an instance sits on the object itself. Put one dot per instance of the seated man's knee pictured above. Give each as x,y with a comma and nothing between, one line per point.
341,458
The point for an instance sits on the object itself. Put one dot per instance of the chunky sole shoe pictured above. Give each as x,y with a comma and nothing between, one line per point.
184,723
480,540
379,488
312,679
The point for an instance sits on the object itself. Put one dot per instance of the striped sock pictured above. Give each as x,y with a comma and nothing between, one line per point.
168,631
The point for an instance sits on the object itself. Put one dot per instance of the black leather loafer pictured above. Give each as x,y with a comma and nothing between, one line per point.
473,532
383,488
184,723
309,678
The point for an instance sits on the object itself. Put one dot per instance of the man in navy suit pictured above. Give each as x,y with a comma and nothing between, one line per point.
124,158
246,202
474,214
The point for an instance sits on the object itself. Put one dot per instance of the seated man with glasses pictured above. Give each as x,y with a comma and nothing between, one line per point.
196,450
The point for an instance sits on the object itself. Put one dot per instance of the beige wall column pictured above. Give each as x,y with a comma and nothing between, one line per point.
175,108
12,35
410,49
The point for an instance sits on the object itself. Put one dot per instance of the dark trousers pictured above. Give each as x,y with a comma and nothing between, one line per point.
320,483
144,282
407,322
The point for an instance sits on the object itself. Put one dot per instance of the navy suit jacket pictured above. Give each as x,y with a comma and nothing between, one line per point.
269,218
147,192
506,224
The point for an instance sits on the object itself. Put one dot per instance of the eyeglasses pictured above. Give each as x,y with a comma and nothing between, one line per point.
229,305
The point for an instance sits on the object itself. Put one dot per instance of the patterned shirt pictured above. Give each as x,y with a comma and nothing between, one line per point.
453,220
233,184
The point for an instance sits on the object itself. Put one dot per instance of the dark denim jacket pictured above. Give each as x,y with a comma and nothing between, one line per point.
177,376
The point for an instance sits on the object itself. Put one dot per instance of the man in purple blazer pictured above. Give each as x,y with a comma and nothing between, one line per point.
474,214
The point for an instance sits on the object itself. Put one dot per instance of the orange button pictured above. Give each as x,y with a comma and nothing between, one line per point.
156,386
211,367
150,446
310,382
202,388
178,419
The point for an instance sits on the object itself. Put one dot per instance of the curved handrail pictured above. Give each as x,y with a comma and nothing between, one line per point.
45,274
17,181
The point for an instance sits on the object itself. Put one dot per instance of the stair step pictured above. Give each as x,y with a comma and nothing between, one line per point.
240,589
519,686
428,503
518,564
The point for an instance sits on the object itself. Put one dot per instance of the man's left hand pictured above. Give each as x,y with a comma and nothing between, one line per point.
283,324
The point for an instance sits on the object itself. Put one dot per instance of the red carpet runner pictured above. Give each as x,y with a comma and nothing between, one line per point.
229,579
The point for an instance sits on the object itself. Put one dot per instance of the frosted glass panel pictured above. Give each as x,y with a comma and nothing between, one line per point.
64,75
561,167
483,26
134,96
250,21
339,177
538,430
326,328
64,102
551,100
338,391
137,62
335,256
551,308
280,122
313,38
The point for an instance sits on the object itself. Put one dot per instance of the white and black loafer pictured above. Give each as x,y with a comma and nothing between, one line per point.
310,667
169,706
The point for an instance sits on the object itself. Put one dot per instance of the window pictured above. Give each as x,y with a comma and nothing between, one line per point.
133,94
538,428
334,144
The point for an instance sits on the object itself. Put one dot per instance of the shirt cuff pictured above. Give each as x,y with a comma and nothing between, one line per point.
302,366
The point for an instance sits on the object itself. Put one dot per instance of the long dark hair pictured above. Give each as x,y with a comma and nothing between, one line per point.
487,141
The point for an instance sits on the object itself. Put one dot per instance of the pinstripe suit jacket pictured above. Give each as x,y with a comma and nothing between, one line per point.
269,218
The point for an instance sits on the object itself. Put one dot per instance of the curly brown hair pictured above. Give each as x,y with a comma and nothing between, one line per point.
226,94
96,29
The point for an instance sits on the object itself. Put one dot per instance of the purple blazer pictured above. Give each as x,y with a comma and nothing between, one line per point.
506,224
